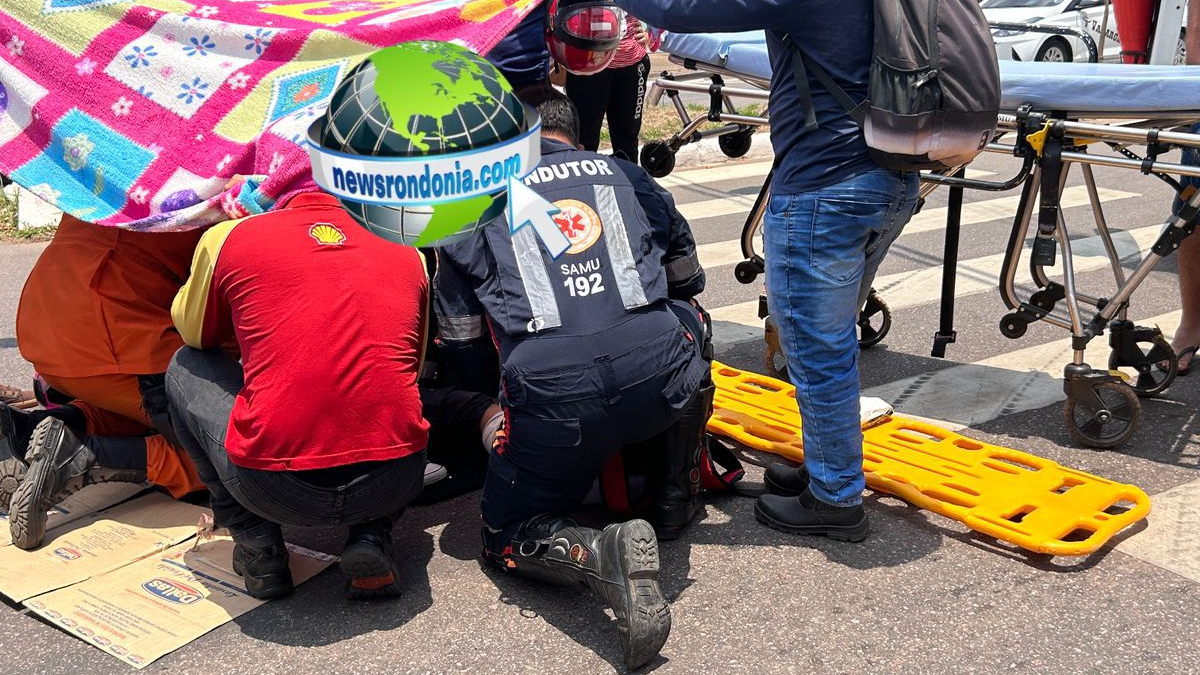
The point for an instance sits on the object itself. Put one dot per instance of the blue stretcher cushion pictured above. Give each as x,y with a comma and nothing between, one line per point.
1100,87
1070,87
714,48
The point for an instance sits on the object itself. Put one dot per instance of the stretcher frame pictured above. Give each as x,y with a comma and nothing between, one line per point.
1102,408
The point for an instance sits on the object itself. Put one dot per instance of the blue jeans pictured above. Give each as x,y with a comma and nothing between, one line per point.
1191,157
823,249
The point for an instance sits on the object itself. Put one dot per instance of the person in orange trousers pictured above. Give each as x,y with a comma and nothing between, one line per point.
95,321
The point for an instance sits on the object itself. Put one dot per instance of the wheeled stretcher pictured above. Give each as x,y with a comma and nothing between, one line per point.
1055,117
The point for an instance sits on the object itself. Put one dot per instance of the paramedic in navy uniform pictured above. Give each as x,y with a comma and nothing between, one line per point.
832,215
599,349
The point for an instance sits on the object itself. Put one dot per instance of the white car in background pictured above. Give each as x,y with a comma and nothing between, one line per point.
1082,15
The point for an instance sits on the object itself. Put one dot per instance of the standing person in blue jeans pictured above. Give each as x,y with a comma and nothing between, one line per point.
832,215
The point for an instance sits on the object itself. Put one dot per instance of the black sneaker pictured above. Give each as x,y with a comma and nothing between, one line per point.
367,563
59,465
786,479
805,514
264,568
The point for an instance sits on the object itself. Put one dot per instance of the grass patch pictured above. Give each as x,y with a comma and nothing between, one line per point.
10,217
660,122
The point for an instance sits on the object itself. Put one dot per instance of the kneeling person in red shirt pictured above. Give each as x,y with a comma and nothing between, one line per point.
320,423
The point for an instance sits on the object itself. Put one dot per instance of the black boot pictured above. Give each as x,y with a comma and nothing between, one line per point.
620,564
805,514
59,465
786,479
678,499
14,441
261,558
368,564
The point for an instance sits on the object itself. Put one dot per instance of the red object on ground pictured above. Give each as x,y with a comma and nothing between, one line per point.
1134,20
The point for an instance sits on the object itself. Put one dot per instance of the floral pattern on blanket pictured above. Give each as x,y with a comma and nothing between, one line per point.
172,114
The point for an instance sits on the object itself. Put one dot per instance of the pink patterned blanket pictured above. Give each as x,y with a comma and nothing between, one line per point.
173,114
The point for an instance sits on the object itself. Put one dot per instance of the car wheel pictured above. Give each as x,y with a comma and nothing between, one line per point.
1054,50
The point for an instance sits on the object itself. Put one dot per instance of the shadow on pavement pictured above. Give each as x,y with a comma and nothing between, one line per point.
577,613
318,614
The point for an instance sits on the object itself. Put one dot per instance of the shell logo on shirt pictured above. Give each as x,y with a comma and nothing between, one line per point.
326,234
580,223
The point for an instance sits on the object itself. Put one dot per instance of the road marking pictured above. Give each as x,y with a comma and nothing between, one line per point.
974,393
725,204
714,208
1169,540
917,287
1004,208
729,252
977,275
694,177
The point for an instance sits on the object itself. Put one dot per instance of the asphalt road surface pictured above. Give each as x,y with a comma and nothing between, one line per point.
922,594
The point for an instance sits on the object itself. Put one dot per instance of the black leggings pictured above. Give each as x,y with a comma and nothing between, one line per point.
619,92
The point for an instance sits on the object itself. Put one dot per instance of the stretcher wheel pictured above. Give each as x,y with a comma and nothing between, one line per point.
874,321
1012,327
736,144
657,158
745,272
1152,372
1107,422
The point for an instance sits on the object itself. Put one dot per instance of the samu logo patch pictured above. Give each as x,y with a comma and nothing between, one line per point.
580,223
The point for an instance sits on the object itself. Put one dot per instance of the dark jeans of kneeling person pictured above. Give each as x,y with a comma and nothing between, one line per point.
201,387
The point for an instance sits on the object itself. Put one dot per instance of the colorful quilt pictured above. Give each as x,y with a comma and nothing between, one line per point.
167,115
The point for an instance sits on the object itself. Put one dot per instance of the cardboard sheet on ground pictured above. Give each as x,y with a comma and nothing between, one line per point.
81,504
95,543
154,606
128,577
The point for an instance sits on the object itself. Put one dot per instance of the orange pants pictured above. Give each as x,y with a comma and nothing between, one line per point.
112,405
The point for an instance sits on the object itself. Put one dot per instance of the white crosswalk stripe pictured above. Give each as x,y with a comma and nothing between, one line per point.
729,252
976,275
729,204
1026,378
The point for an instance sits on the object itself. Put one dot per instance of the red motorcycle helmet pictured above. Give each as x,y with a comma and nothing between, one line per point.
583,35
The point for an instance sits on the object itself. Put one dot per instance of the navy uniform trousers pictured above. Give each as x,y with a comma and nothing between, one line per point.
574,401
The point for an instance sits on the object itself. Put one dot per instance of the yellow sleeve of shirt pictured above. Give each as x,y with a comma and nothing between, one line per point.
192,306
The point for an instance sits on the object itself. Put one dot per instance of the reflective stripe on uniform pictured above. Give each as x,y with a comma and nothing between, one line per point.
460,327
528,252
629,282
682,269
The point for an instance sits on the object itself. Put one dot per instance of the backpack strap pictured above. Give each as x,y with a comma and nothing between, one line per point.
722,471
801,64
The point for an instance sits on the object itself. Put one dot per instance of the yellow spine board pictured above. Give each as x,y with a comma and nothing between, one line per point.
1013,496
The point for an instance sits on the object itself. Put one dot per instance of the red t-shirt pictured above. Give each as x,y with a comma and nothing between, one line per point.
330,320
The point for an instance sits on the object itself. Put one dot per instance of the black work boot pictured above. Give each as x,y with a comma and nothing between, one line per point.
805,514
13,445
60,464
619,563
786,479
367,562
678,488
261,558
